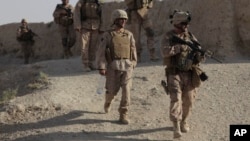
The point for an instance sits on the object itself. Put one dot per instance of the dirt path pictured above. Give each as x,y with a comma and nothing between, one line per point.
70,110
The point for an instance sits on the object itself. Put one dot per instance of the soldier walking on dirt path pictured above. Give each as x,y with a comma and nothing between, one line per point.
63,16
138,13
116,59
182,71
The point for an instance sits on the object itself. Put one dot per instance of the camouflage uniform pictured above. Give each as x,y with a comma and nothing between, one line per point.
25,36
138,18
117,55
63,16
179,75
87,18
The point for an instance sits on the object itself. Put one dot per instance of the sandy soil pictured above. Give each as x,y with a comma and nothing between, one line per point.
70,110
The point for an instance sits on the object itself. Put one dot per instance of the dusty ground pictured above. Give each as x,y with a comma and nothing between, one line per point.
70,110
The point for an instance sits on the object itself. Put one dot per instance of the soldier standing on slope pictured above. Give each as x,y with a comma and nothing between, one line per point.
87,22
25,36
138,13
116,59
63,16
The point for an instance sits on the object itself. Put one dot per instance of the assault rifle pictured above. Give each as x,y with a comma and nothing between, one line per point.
194,45
33,33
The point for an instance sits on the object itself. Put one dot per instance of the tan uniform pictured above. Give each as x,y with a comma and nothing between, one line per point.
138,19
25,37
87,18
181,89
63,16
117,55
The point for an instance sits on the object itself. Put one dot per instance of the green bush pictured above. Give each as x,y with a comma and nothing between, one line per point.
8,95
40,81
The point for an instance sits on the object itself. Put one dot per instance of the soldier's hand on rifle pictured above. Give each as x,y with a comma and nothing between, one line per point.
198,58
102,72
183,47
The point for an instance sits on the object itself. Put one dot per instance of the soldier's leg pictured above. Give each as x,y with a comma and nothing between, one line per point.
85,45
126,84
71,39
64,39
65,48
112,87
93,47
135,28
25,50
188,98
175,103
148,27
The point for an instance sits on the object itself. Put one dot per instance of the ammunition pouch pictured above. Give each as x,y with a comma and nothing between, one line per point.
198,76
90,10
27,36
66,21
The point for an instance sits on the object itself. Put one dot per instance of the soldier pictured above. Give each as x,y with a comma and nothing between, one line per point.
87,17
116,59
63,16
181,63
138,18
25,36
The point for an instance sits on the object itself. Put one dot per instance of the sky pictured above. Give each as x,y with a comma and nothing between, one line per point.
34,11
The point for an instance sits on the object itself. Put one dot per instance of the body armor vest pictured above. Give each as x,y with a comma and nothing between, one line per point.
66,15
120,45
138,4
26,35
184,60
90,9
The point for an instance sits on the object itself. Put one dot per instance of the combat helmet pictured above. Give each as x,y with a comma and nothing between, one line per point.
23,21
180,16
118,13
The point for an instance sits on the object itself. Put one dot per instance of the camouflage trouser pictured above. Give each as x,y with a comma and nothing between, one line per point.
116,80
135,24
89,40
68,36
27,49
182,95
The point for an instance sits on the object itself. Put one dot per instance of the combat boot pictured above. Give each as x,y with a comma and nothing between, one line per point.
92,66
124,119
153,56
107,107
86,67
184,127
177,130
